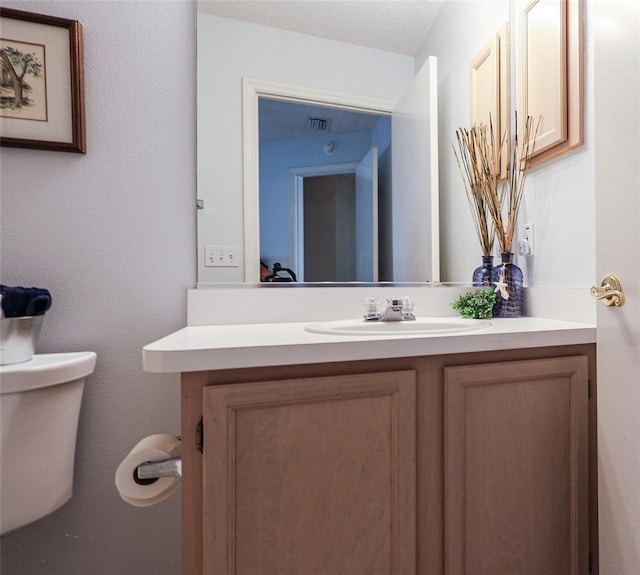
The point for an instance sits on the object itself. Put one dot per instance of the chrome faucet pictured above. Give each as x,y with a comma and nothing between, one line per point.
395,310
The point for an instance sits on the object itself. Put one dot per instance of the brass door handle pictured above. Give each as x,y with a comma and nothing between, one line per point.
610,291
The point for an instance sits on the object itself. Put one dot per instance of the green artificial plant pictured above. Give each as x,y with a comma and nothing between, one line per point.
476,305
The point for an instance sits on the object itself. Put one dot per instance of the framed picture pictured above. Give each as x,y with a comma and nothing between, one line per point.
41,90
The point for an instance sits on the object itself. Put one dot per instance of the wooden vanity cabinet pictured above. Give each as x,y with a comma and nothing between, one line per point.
468,463
311,475
517,467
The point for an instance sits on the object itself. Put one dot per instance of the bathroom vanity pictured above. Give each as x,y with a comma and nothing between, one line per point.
414,454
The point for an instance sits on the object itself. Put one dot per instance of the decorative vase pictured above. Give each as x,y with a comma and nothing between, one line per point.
507,280
482,275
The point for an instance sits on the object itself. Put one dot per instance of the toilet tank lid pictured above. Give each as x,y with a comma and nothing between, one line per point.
46,369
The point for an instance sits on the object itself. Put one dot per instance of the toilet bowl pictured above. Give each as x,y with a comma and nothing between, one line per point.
39,409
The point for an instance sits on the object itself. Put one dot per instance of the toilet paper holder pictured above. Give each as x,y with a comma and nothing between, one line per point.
150,471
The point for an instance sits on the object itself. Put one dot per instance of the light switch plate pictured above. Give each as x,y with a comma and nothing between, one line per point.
221,256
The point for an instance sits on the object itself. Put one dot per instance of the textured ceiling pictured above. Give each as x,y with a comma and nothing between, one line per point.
280,120
394,25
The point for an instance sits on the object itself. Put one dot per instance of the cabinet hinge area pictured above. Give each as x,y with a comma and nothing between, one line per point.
199,435
589,389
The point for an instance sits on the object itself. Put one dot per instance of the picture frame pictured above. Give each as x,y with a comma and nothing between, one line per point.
41,82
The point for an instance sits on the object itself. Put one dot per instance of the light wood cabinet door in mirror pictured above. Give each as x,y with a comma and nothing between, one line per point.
313,476
490,100
550,44
517,468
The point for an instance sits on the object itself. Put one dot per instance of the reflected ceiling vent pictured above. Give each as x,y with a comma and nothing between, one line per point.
318,124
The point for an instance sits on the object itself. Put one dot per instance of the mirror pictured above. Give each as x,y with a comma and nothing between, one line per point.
232,50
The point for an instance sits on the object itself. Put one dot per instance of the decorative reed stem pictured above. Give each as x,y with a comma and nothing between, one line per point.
513,186
479,164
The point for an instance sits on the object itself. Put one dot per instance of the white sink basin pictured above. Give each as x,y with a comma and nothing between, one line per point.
421,326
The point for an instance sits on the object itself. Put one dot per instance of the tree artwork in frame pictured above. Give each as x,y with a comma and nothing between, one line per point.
41,89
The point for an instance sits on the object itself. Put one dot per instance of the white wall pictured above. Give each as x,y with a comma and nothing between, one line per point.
112,235
559,195
267,54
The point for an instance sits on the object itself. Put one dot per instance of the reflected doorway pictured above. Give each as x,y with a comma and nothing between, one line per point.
335,210
300,142
328,228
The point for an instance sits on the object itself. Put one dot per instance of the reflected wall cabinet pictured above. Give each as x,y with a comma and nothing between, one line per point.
490,101
550,73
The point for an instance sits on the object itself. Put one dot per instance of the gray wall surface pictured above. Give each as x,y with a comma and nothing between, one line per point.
112,235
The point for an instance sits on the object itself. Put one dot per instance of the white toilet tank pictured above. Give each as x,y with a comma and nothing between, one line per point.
39,409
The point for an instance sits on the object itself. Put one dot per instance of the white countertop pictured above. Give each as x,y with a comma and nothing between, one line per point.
211,347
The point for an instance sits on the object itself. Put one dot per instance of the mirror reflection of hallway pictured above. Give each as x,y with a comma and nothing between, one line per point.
288,156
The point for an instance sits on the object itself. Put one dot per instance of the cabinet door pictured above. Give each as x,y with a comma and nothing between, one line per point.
516,463
550,44
311,476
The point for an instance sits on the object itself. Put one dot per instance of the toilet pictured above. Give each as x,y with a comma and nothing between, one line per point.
39,409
